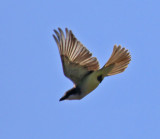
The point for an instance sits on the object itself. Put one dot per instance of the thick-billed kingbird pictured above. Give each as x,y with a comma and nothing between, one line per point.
83,69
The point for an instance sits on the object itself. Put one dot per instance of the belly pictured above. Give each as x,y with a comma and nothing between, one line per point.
89,84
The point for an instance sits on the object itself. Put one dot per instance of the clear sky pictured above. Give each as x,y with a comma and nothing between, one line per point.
124,106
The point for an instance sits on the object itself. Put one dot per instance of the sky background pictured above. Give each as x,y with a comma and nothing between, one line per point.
124,106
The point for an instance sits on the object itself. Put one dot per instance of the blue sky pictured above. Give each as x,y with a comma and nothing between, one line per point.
124,106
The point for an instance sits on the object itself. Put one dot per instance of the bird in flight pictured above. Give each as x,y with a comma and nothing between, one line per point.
83,69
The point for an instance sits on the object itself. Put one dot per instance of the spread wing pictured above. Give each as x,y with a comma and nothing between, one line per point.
77,61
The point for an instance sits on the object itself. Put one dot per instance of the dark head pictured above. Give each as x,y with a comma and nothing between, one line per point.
71,94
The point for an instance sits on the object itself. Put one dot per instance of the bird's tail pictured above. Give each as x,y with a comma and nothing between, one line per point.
117,63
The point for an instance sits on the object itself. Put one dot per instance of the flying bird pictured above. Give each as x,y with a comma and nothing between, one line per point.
83,69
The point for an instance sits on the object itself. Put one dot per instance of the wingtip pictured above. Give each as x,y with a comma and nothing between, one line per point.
66,29
54,36
55,30
60,30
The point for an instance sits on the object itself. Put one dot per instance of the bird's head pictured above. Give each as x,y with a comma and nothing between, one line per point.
72,94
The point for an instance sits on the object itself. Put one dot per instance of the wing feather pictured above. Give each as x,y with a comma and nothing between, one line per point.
77,61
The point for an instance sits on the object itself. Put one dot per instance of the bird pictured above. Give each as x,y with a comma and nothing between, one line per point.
83,69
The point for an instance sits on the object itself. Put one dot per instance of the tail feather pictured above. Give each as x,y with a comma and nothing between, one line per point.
118,61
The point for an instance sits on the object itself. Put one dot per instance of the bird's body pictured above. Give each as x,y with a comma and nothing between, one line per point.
82,69
89,83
